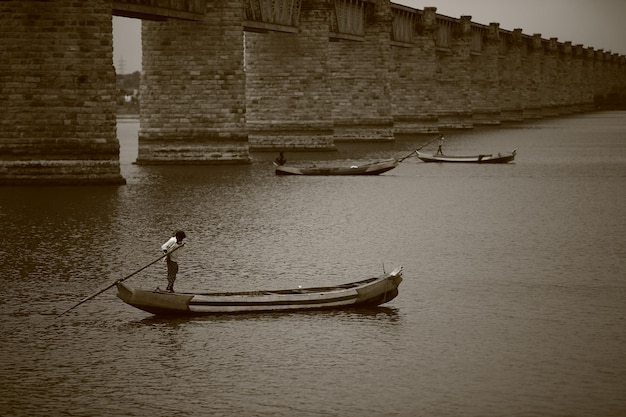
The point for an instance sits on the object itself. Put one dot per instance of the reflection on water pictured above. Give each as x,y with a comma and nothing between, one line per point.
512,301
376,314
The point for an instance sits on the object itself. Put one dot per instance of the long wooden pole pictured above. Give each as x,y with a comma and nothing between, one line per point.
429,142
119,280
415,151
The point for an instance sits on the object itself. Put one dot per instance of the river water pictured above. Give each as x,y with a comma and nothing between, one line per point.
513,301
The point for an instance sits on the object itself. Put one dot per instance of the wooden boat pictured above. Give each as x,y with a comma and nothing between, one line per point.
499,158
374,168
368,292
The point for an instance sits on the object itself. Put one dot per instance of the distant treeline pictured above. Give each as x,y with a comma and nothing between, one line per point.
127,83
128,93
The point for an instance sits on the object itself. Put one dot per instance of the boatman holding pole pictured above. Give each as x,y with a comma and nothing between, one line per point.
439,148
171,249
281,160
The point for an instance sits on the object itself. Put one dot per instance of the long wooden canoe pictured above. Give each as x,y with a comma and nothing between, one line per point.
368,292
499,158
374,168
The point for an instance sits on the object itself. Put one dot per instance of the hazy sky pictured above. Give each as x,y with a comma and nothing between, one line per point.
596,23
126,45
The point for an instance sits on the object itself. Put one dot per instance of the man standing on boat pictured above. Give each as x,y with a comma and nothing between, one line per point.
171,249
281,160
439,150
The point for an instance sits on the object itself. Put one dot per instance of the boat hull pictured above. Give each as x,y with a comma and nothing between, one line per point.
500,158
368,169
368,292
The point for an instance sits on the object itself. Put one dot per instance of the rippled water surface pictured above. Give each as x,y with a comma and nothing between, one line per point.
513,301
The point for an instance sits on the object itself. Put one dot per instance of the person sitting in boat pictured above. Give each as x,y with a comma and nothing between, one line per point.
168,247
281,160
439,150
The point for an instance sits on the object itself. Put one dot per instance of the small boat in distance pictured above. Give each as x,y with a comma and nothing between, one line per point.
368,292
499,158
374,168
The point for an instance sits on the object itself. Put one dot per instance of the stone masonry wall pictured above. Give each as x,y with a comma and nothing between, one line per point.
193,89
454,80
57,92
413,80
576,84
549,91
360,80
510,65
532,103
566,77
486,80
289,98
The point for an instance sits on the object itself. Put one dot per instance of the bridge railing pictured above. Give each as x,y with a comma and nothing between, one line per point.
275,12
445,29
348,18
478,34
403,24
507,40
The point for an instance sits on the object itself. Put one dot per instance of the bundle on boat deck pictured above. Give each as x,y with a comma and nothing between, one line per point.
368,292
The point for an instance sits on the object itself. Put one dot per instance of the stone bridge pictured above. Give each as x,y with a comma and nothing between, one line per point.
222,78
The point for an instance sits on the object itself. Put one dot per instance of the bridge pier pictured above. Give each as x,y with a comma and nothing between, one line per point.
289,101
549,80
413,75
578,94
359,66
511,79
565,71
486,78
57,89
454,81
533,81
193,89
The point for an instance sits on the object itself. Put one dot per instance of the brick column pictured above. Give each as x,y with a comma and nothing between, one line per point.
621,73
566,77
193,89
604,74
57,93
289,98
533,81
486,79
617,76
588,75
511,79
361,81
598,75
549,80
413,80
454,81
577,95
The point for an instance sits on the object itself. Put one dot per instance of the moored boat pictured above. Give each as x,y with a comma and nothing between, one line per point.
368,292
499,158
374,168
